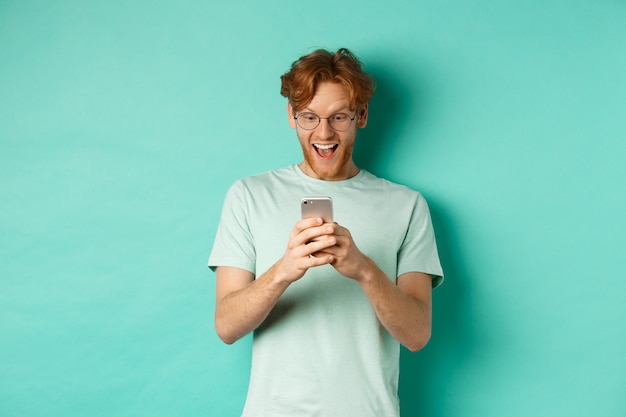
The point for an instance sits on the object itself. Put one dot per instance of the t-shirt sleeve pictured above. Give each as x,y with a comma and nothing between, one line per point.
234,242
418,252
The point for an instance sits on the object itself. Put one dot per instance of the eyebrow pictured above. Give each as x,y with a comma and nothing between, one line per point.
344,109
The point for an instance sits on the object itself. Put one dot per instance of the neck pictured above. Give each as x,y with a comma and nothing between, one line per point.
349,171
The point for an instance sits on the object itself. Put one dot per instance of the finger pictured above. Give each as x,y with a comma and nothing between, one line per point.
319,245
303,225
340,230
308,223
311,234
320,259
321,233
334,251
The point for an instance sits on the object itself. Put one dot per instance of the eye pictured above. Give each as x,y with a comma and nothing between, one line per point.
308,117
339,117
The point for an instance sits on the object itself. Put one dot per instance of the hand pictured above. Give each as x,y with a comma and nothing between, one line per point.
308,237
348,260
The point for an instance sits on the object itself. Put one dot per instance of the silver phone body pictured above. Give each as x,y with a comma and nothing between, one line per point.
317,207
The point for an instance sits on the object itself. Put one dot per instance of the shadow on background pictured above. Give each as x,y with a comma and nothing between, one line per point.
388,112
400,101
423,375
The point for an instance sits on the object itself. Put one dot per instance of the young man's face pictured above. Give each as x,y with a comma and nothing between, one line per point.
327,152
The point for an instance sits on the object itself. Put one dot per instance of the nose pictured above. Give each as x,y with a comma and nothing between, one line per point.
324,130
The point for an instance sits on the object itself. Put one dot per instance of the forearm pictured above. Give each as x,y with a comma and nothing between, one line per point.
243,303
408,319
241,311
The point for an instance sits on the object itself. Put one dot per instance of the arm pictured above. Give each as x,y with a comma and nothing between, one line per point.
404,309
242,303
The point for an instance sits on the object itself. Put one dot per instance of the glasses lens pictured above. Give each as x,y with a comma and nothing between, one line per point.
308,121
340,121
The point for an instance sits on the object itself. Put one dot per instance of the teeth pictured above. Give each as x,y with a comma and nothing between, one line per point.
324,146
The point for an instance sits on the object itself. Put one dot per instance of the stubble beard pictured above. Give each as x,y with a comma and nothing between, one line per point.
338,169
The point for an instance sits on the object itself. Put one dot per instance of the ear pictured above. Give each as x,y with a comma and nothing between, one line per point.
361,120
290,114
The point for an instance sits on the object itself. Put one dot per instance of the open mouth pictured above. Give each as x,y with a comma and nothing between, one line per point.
325,151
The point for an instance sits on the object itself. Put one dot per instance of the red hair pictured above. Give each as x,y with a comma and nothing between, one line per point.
300,83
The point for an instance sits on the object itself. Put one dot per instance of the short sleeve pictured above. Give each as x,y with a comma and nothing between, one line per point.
234,244
418,252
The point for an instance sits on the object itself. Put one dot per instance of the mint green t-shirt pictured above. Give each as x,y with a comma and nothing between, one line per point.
322,351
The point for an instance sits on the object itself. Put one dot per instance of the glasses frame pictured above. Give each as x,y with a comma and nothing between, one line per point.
319,120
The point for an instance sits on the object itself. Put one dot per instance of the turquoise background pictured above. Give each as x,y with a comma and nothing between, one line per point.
122,124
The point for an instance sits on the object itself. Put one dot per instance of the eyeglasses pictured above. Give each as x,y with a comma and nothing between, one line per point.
339,122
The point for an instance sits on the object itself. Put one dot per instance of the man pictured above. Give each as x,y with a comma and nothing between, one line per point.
329,303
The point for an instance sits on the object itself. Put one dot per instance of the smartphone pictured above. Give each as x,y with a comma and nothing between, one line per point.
317,207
